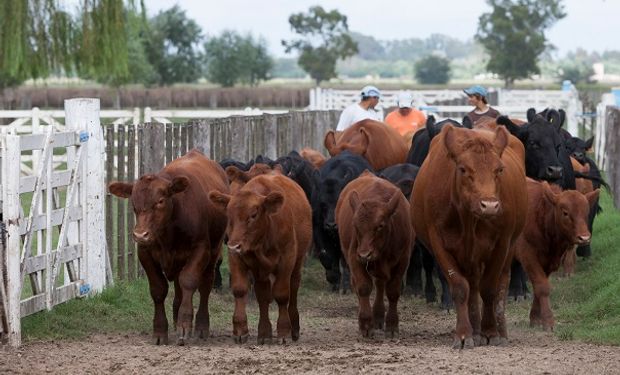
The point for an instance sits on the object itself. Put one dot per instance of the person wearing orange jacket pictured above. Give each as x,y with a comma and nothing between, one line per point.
406,119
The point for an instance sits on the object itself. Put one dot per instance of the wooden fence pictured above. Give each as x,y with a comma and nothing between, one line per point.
136,150
612,151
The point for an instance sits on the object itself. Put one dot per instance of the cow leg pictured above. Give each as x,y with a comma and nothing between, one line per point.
393,294
500,301
332,269
474,307
378,307
293,312
346,275
158,286
414,272
362,283
541,311
459,288
282,295
176,303
428,262
205,287
218,274
239,285
492,283
518,283
264,298
446,295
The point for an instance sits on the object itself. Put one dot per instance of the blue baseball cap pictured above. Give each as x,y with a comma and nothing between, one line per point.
476,89
371,91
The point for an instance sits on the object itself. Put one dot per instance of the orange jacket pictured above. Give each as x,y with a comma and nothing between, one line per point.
406,124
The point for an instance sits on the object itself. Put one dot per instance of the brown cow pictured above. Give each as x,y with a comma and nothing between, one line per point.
556,221
376,238
313,156
238,178
269,232
469,204
179,233
380,144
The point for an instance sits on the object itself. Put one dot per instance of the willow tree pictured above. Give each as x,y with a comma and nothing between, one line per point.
39,38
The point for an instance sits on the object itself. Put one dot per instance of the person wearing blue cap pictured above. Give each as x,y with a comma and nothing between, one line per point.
478,98
365,109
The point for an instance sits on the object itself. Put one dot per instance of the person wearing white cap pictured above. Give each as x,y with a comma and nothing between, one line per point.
406,119
365,109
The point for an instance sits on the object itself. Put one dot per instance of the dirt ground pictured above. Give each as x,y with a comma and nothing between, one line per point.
329,344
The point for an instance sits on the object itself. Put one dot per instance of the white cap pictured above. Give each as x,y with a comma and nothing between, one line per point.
405,100
370,91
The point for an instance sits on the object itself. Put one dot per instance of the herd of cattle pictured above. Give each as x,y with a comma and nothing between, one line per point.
483,206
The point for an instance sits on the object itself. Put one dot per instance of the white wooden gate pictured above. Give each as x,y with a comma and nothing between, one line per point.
55,233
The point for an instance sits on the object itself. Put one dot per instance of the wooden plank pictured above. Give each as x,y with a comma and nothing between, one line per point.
109,210
612,152
270,135
37,141
168,145
131,176
40,220
39,262
190,135
36,303
183,134
152,148
201,137
176,149
27,183
121,229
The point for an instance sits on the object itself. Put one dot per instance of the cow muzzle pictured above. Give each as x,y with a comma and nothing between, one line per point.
331,226
366,256
142,236
583,239
489,207
553,173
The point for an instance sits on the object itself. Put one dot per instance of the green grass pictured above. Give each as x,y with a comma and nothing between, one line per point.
586,306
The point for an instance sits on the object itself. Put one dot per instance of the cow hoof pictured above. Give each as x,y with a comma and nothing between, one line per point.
547,328
160,339
202,333
391,333
378,325
477,340
520,299
494,341
295,336
467,343
503,341
368,333
241,339
282,340
184,335
263,340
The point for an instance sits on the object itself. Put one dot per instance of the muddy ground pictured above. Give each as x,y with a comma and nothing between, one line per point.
329,344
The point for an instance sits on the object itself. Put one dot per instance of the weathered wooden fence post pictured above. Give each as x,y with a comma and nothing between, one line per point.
151,148
270,125
612,151
82,115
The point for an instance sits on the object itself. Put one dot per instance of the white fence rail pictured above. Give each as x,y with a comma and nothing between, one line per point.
55,233
509,101
164,116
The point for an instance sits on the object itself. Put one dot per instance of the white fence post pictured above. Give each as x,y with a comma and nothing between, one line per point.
147,115
136,116
82,115
11,154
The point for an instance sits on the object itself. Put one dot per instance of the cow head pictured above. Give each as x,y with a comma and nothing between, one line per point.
329,191
153,203
571,209
543,144
248,217
238,178
478,168
578,148
357,144
371,222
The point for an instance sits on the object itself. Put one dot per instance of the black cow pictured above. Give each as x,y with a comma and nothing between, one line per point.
334,175
421,141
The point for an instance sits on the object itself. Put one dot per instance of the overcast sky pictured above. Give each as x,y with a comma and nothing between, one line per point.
590,24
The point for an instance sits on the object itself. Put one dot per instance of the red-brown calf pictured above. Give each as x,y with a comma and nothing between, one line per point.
556,221
269,232
376,238
179,234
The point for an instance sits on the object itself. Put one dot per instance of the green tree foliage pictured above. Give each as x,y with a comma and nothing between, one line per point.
172,47
35,40
432,69
575,72
232,58
513,34
324,39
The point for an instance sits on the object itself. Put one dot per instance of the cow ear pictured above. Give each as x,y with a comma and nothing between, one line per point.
177,185
549,194
592,197
430,121
120,189
393,203
553,117
514,129
406,186
430,127
354,200
589,143
367,173
273,202
501,140
450,141
219,199
330,143
467,122
279,170
562,114
364,141
530,115
235,174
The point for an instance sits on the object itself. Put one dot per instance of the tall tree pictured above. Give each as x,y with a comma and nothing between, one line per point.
172,46
232,58
324,39
432,69
513,34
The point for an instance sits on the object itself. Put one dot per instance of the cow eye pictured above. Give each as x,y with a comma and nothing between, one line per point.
161,201
565,213
499,171
379,228
462,169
